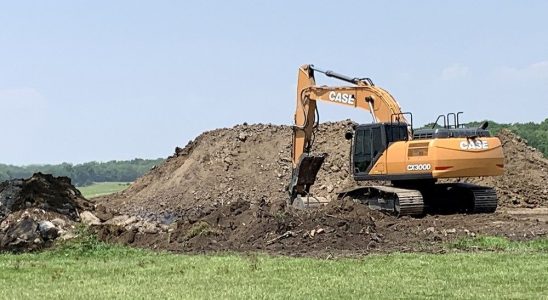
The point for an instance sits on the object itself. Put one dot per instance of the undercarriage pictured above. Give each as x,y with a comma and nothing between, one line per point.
445,198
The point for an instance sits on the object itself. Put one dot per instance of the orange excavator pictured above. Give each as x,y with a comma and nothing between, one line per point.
389,149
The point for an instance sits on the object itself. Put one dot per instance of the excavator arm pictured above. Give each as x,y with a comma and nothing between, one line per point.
362,94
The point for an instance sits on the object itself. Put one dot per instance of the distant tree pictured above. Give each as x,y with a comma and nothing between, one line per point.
87,173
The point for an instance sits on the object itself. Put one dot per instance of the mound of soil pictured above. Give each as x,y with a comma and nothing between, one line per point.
226,191
241,226
253,163
37,210
246,163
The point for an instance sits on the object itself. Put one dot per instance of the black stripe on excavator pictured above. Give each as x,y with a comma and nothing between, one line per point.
392,177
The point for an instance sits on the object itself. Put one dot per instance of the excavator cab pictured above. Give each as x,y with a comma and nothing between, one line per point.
370,141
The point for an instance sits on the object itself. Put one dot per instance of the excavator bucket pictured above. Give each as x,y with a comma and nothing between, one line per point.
304,176
309,202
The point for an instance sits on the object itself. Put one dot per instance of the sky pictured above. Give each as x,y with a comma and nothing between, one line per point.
112,80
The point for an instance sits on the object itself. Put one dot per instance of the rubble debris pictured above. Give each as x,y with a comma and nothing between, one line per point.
35,211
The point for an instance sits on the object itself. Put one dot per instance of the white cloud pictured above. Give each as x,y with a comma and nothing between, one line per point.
454,71
533,71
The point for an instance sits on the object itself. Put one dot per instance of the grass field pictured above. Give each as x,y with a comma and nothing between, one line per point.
88,269
102,188
83,269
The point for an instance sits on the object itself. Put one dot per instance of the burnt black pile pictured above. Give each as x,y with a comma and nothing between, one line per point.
37,210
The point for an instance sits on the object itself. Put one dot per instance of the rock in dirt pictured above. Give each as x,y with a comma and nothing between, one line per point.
22,236
89,218
118,220
149,227
59,223
103,213
48,231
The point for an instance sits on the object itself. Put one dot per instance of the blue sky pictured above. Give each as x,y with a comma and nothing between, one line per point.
102,80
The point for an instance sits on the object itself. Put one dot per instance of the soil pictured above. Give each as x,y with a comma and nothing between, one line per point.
246,163
225,191
36,211
342,228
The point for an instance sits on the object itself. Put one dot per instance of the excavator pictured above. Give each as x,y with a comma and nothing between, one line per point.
390,150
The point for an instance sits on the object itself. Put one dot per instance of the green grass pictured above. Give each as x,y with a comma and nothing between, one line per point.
201,228
87,269
492,243
102,189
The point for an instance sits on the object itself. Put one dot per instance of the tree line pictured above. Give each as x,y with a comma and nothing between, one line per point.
86,173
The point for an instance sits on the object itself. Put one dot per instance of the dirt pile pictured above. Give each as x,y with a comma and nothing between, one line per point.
36,211
246,163
342,228
242,226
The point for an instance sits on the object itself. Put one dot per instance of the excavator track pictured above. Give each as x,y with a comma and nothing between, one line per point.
459,198
484,199
397,201
436,198
410,203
